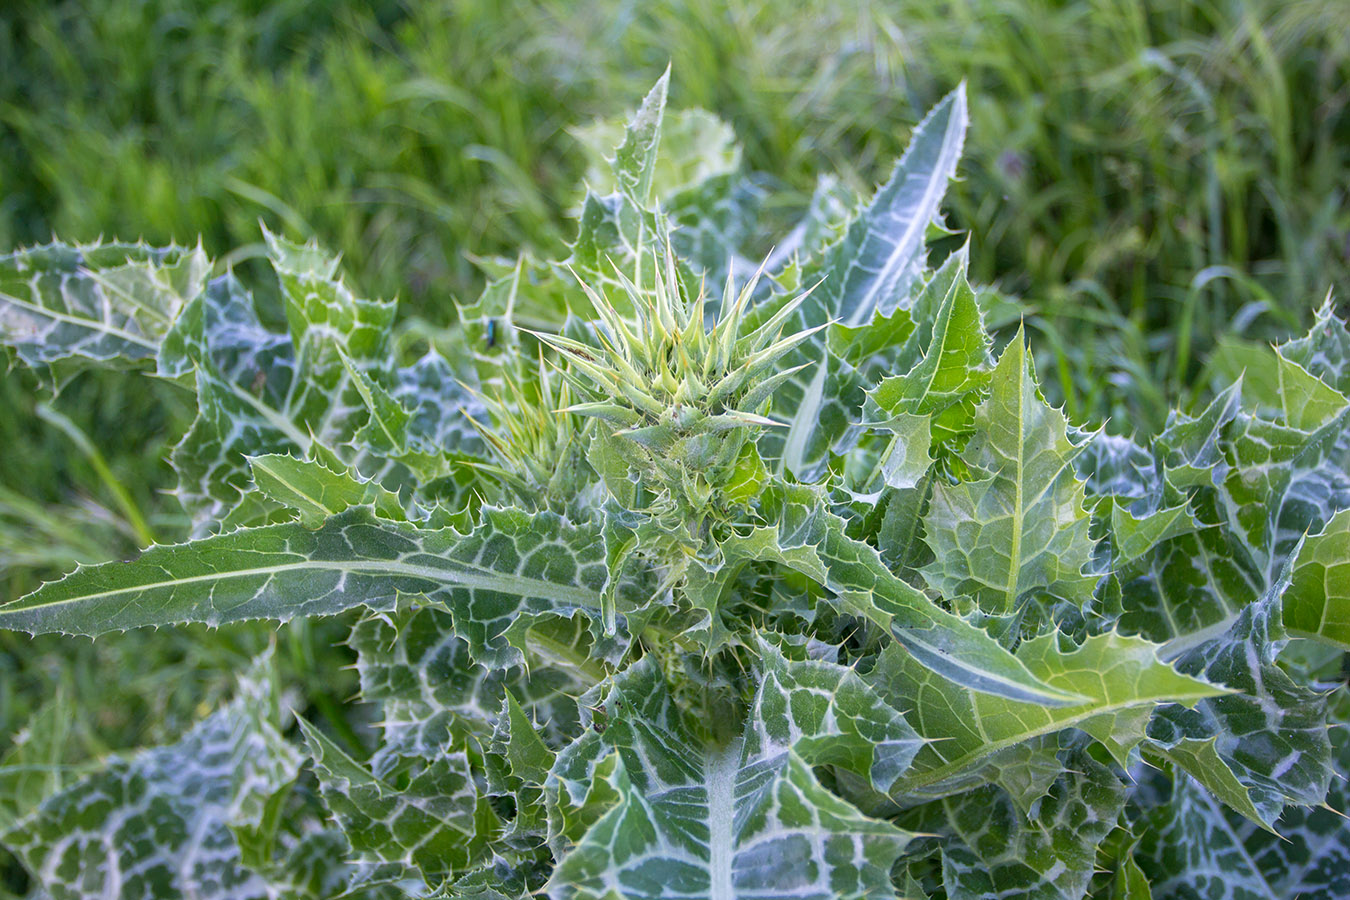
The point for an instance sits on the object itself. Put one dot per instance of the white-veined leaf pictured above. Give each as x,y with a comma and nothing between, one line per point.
692,819
494,580
880,258
103,304
1122,678
158,824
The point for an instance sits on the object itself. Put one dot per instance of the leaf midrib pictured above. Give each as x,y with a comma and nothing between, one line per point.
463,574
720,771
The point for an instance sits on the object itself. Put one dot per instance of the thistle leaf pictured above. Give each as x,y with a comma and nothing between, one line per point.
436,822
1271,731
635,160
317,491
946,381
994,851
94,304
814,542
159,824
880,258
1200,759
32,770
1317,603
1193,846
1121,677
511,566
1017,527
723,821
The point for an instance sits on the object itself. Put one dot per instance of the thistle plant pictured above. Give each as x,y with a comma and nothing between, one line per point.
801,592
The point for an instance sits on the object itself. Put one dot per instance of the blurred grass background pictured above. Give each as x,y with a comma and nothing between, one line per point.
1147,176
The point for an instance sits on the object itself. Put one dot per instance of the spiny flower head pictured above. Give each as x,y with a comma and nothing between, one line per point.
682,399
538,454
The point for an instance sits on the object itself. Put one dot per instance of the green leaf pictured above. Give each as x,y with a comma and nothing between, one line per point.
529,758
635,160
718,221
1121,677
94,303
1305,400
695,146
1325,350
1134,536
945,383
1190,447
32,769
433,392
908,458
748,818
1195,845
1189,849
1026,771
1130,882
328,381
431,693
513,565
612,233
436,821
1191,588
825,396
822,400
1271,731
1200,759
386,431
317,491
1317,603
1019,526
159,824
1050,855
1309,858
880,258
1282,484
436,701
811,540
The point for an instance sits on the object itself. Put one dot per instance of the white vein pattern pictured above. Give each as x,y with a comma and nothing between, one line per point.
743,820
514,565
95,303
159,824
875,269
993,850
436,822
880,257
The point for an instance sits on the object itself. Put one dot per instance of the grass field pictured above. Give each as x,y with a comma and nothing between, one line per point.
1145,177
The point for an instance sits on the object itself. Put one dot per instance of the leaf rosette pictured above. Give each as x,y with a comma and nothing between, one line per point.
779,594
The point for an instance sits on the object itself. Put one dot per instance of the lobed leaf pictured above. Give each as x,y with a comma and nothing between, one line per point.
1317,602
862,585
435,822
511,566
699,820
159,824
1018,526
1121,678
995,851
880,257
99,304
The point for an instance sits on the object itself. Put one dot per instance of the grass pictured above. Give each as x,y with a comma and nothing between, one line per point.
1147,177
